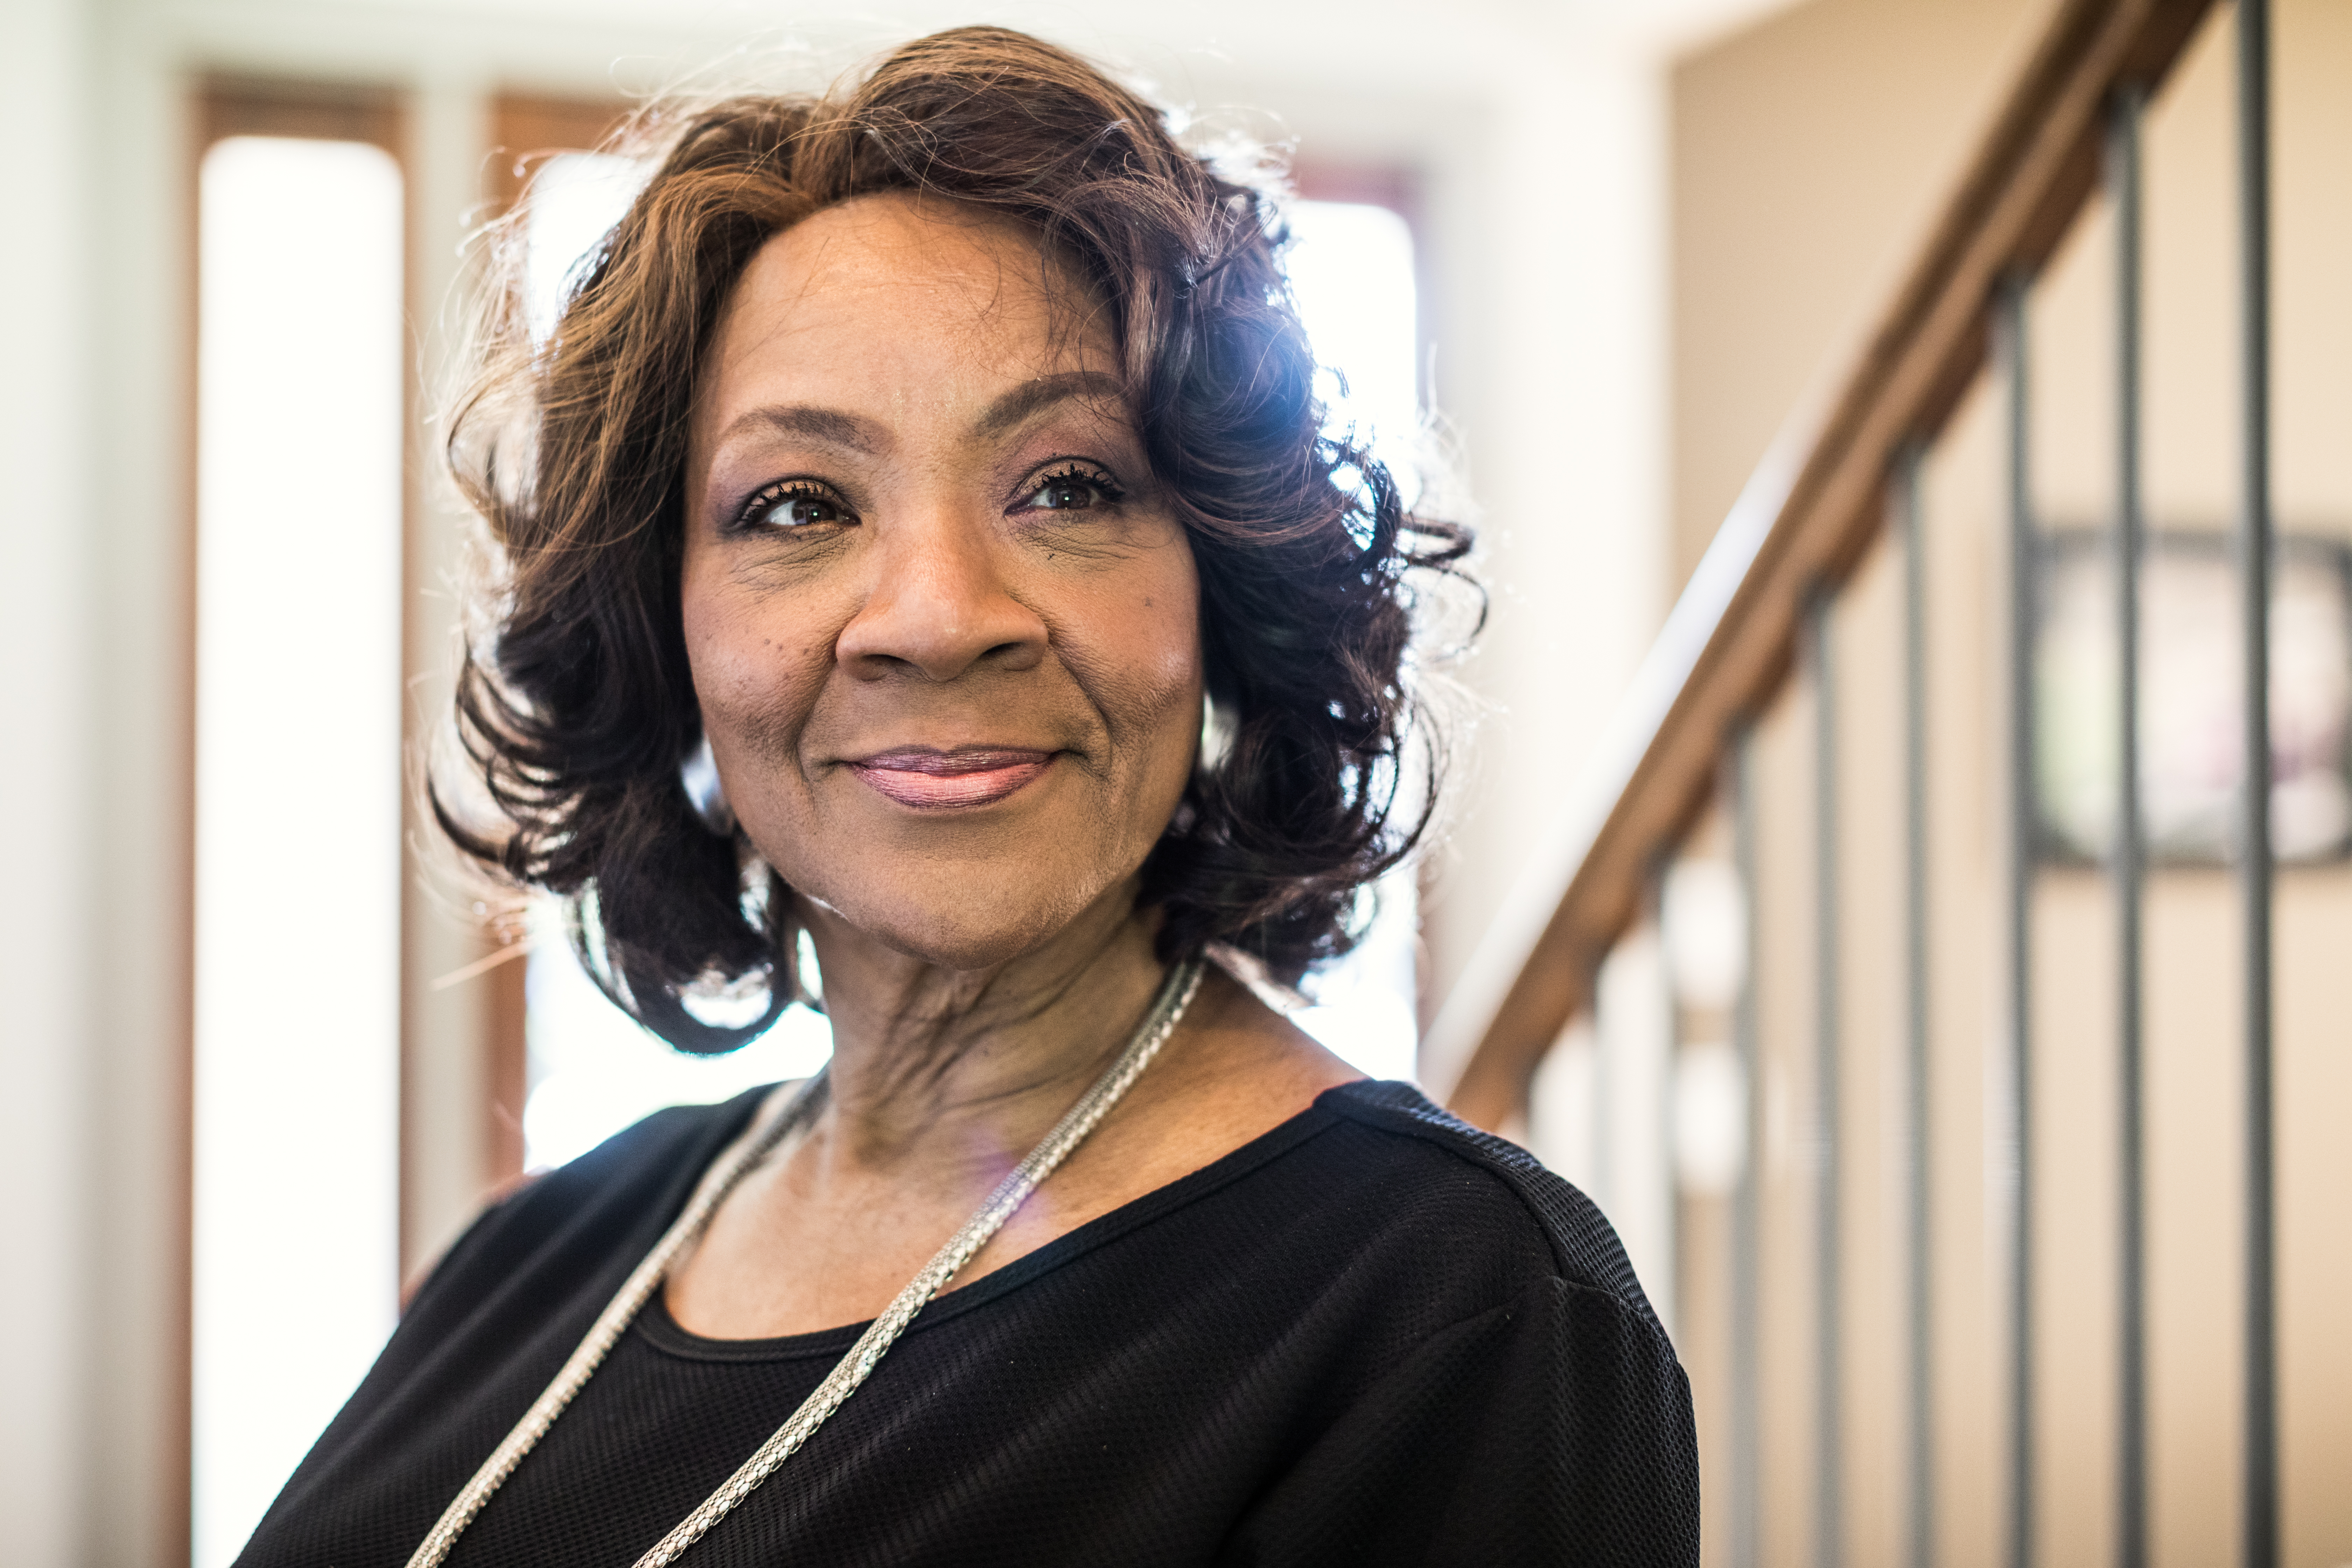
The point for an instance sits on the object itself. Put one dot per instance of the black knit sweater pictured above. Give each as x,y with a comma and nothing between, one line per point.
1373,1335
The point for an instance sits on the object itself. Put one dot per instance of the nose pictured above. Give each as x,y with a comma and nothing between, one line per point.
937,606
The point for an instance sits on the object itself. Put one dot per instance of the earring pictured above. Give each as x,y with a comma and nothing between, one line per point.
1217,730
704,791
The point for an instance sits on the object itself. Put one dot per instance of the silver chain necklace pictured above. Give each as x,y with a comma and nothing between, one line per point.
855,1367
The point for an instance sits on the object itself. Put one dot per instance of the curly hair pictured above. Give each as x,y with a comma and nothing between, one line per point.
574,706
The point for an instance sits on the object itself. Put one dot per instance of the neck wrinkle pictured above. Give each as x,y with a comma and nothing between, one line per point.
971,1068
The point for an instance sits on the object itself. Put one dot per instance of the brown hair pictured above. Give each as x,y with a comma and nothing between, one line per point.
575,705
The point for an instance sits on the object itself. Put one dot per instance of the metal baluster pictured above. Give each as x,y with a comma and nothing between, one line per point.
2010,317
2127,854
1921,1452
1605,1095
1828,1507
1664,1066
1746,1292
2255,545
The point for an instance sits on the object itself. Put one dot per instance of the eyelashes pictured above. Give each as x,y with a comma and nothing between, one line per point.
800,504
1071,485
790,505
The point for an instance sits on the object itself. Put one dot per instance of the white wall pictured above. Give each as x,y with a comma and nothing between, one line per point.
45,788
92,935
1556,376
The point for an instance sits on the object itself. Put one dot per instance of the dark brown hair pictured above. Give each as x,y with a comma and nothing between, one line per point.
574,704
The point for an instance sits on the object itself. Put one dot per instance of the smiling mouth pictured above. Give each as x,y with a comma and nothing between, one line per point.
947,781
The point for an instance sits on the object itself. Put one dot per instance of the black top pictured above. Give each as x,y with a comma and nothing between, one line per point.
1373,1335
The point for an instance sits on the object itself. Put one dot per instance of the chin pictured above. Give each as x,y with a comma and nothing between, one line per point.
980,927
962,895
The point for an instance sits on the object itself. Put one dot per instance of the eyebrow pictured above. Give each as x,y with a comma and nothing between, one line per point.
826,427
852,432
1030,396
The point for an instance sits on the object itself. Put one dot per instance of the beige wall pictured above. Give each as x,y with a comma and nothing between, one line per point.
1801,152
1805,156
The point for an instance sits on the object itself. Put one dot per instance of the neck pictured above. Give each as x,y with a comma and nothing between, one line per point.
969,1067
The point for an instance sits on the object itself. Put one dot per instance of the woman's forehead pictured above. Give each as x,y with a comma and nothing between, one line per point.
894,277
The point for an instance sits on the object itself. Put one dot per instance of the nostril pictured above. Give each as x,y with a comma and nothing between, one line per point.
1017,654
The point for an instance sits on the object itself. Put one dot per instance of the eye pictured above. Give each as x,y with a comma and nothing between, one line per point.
1074,489
793,504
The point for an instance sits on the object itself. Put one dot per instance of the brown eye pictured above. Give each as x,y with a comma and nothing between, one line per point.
795,509
1073,491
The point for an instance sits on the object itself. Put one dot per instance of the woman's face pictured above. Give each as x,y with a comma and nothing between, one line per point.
944,631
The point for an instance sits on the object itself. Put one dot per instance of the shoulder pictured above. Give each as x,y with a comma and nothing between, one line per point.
1480,1193
511,1299
617,1196
1504,1393
643,1161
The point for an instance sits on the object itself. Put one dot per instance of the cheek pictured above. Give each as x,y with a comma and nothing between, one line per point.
1147,654
755,673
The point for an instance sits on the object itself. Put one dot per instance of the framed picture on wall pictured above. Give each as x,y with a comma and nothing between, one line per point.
2190,680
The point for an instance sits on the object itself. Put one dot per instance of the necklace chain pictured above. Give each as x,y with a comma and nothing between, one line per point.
736,1161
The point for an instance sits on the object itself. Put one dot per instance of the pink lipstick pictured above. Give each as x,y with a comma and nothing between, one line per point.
941,781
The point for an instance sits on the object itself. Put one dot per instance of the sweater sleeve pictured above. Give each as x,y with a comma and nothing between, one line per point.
1554,1429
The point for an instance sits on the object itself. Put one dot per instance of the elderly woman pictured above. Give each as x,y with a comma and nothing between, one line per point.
909,476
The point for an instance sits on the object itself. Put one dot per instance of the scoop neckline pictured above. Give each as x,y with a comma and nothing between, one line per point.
656,1325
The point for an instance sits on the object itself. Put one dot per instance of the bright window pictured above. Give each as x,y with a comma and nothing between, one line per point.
593,1071
300,371
1351,270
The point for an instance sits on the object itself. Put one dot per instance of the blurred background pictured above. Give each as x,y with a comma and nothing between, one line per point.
260,1066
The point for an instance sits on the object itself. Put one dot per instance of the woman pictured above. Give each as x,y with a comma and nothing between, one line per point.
905,479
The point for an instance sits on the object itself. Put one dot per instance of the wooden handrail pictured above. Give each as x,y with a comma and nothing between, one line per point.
1805,520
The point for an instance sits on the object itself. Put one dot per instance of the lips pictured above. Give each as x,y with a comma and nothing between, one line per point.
948,781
